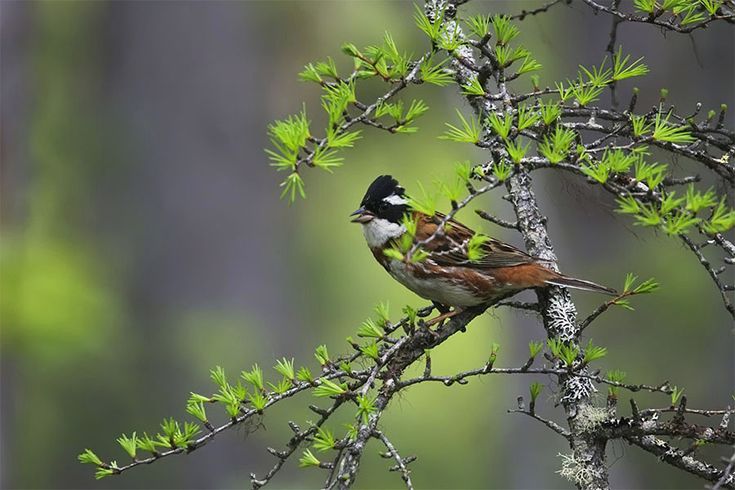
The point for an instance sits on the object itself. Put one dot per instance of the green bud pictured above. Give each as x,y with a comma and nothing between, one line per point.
350,50
535,81
535,390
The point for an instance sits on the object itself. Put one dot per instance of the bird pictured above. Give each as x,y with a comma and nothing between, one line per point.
447,276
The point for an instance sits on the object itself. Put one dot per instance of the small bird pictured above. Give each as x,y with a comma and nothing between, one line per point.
447,276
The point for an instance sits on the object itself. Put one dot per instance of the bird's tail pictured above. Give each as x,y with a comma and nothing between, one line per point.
571,282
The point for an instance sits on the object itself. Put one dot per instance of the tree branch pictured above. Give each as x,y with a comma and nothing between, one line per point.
676,457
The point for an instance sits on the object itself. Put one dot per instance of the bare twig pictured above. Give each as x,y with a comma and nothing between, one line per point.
548,423
728,475
696,250
400,462
291,447
545,8
498,221
611,49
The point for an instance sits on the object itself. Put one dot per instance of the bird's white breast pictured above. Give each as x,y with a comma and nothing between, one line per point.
437,288
378,231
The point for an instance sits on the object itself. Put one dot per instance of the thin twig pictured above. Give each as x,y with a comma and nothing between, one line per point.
668,25
548,423
498,221
525,13
405,472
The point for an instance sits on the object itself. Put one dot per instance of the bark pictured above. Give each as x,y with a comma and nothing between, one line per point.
557,309
558,313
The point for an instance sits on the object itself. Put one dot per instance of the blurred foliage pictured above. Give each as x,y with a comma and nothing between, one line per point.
58,297
55,304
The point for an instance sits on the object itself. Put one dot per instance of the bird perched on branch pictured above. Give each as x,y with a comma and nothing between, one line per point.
450,265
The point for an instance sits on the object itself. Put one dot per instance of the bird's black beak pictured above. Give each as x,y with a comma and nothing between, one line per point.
362,216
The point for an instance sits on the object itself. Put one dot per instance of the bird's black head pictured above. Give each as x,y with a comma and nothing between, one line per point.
383,199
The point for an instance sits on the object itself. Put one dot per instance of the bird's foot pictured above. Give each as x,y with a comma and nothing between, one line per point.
441,318
424,329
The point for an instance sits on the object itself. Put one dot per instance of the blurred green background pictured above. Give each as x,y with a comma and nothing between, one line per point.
143,242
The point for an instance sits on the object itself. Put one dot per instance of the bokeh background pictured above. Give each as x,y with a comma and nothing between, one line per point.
143,242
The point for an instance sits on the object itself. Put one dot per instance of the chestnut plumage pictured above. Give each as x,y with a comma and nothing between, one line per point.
447,276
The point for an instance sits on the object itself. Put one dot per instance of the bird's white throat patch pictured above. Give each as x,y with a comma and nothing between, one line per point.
395,199
378,231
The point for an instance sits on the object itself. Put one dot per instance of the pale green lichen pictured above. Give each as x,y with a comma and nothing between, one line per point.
576,471
590,417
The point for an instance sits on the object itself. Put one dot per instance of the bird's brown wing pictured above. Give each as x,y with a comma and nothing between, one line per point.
450,249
